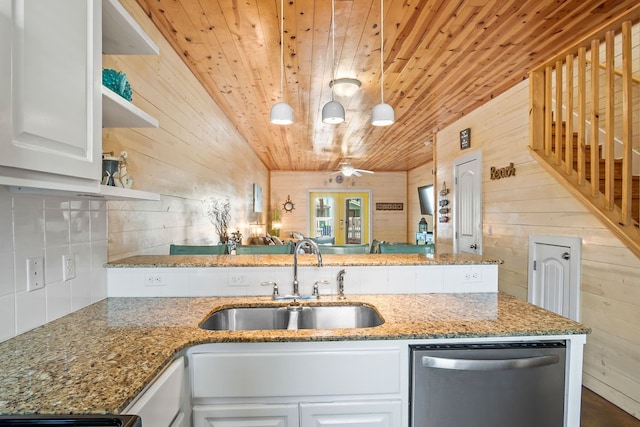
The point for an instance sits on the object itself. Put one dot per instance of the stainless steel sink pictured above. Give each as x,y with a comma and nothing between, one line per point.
338,316
288,317
247,319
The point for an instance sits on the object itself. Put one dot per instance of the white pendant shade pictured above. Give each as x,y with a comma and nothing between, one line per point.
382,115
281,114
332,113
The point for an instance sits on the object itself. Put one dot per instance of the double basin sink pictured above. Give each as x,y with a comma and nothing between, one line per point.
292,317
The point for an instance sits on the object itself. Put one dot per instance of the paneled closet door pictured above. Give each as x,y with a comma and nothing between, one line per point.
51,119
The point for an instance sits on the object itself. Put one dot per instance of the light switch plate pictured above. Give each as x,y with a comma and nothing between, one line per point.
35,273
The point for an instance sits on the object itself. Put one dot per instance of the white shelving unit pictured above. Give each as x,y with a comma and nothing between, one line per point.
122,35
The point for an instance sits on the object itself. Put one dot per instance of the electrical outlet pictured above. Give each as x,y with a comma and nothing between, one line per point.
35,273
472,275
68,266
153,280
237,279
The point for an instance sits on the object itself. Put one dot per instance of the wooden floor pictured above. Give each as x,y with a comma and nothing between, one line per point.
598,412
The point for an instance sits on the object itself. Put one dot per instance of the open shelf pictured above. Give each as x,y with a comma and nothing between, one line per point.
117,112
96,191
117,193
121,34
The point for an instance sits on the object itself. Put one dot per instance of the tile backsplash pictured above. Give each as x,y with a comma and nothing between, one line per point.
49,227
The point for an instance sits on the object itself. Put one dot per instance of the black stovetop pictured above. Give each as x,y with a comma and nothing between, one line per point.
71,420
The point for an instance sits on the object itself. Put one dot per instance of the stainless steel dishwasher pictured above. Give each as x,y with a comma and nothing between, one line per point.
488,385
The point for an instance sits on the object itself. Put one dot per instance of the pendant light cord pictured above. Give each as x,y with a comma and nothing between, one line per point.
282,50
381,51
333,44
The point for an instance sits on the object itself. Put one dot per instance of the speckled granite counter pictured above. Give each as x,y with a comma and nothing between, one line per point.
99,358
162,261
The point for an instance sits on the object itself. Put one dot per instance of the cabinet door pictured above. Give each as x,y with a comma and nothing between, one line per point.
363,414
160,405
50,108
242,415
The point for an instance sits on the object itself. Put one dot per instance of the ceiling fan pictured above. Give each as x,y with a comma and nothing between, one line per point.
347,169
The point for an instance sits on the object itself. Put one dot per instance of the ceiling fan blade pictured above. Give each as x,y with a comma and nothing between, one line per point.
364,171
356,173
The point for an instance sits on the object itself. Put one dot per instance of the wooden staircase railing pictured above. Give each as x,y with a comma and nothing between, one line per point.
575,98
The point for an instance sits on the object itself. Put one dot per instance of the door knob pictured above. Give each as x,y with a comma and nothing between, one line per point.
566,256
474,246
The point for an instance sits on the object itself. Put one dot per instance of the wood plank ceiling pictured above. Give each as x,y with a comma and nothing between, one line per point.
442,59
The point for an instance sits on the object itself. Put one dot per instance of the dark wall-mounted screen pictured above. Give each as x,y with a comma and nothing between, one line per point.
426,196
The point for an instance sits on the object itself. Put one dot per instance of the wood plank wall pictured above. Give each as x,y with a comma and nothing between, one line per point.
195,154
385,187
532,202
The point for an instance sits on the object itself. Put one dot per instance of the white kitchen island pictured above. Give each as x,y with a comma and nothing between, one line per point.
106,358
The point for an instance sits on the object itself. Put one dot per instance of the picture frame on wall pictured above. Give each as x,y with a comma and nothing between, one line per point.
465,138
257,198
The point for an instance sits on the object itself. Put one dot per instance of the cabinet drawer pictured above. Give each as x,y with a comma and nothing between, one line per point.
296,373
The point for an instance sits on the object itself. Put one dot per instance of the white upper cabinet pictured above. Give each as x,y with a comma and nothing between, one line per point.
50,80
53,105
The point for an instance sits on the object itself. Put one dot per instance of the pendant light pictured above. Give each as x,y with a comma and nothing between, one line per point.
382,114
333,112
345,86
281,112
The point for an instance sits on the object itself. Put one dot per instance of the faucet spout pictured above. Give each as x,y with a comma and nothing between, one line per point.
340,280
314,248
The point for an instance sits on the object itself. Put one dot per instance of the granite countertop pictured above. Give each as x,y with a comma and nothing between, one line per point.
303,260
96,360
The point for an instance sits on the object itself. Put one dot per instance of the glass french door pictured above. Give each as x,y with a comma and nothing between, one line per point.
339,217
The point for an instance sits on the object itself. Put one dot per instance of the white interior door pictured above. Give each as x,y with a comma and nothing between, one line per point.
467,206
554,275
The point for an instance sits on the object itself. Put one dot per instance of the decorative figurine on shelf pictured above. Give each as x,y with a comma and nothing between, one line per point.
117,82
121,178
110,166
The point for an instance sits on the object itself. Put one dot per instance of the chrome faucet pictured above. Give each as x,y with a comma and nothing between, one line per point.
340,280
314,247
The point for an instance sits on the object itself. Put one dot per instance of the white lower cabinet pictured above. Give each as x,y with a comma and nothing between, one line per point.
254,415
165,403
317,414
297,384
386,413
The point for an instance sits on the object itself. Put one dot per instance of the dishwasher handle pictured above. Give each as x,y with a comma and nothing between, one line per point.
488,364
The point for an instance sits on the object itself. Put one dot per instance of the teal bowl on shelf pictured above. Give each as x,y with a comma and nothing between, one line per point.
117,82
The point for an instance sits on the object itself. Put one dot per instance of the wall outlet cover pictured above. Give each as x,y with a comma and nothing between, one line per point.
35,273
68,266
